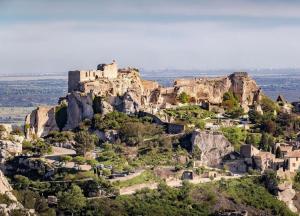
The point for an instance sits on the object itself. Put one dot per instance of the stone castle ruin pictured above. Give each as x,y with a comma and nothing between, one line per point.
109,71
124,90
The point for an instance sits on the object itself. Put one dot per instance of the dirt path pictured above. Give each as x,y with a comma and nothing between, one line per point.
134,188
58,151
137,173
171,183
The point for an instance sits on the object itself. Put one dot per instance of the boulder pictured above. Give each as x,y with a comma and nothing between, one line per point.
11,147
213,146
108,136
286,194
40,122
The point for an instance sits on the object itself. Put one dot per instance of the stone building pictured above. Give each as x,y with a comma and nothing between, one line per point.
285,148
109,71
247,151
293,161
264,160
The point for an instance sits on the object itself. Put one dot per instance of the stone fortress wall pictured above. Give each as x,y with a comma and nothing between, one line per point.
76,77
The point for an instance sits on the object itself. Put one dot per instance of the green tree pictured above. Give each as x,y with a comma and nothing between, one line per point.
263,145
235,135
270,180
297,177
236,112
85,142
254,116
71,201
268,105
79,160
278,153
184,97
22,182
66,158
230,102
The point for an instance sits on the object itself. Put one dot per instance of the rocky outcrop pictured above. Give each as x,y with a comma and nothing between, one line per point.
5,188
286,193
107,136
9,148
80,107
213,146
40,122
211,90
4,185
127,92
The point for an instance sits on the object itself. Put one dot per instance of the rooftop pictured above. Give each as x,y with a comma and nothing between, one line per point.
293,154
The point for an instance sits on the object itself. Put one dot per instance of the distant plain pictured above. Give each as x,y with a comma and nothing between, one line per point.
20,94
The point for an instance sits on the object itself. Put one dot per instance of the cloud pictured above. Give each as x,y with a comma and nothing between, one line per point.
56,36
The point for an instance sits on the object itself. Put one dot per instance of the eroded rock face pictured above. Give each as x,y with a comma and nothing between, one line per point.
213,146
286,194
213,89
80,107
5,188
128,93
40,122
108,136
9,148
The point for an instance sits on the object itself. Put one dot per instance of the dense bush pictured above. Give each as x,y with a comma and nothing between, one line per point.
235,135
184,97
85,142
114,120
37,147
134,133
192,114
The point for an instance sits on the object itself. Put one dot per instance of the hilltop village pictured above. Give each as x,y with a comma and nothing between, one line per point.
120,145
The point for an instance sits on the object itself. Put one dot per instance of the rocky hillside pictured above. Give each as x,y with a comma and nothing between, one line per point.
213,147
129,93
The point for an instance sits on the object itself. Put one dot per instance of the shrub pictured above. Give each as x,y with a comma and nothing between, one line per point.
71,201
85,141
184,97
235,135
79,160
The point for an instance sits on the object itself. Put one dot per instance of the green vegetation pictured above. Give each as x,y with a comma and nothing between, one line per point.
253,139
60,137
235,135
37,147
32,200
85,141
202,199
114,120
72,201
184,97
231,105
135,133
192,114
268,105
145,177
61,115
248,192
267,142
4,199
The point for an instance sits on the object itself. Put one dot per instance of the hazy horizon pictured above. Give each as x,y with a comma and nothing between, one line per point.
40,37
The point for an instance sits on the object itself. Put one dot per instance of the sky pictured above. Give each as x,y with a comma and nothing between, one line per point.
55,36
